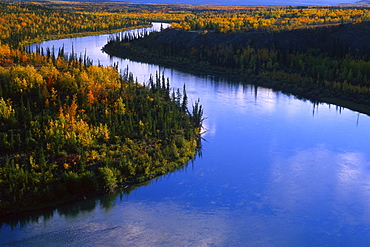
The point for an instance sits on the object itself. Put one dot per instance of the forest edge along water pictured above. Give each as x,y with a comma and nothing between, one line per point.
176,38
308,63
162,47
274,171
99,130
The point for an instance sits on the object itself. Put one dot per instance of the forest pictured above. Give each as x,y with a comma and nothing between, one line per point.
69,129
321,54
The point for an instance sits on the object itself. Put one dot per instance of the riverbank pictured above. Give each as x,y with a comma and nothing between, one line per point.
305,69
64,139
127,187
262,81
77,35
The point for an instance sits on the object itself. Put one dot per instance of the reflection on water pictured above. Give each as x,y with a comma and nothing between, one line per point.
117,221
274,171
303,181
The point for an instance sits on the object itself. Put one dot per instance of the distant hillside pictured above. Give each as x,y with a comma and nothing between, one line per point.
247,2
364,3
230,2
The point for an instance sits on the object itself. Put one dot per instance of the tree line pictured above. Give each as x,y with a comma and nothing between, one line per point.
23,23
69,129
319,64
270,19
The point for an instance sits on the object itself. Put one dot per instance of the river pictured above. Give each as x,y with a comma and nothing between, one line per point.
275,171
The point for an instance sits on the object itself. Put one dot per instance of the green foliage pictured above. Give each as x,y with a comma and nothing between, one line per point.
6,109
107,178
68,129
325,67
270,19
93,135
27,22
99,133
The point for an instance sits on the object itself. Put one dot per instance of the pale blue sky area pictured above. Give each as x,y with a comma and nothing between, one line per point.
248,2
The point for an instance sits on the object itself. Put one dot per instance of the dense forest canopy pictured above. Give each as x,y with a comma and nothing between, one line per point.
69,128
272,19
320,53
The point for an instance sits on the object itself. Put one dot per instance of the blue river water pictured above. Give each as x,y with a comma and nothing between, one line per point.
274,171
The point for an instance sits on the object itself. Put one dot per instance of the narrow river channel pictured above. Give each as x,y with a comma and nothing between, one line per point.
274,171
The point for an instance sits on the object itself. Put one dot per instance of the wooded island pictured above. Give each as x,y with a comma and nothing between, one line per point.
69,129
